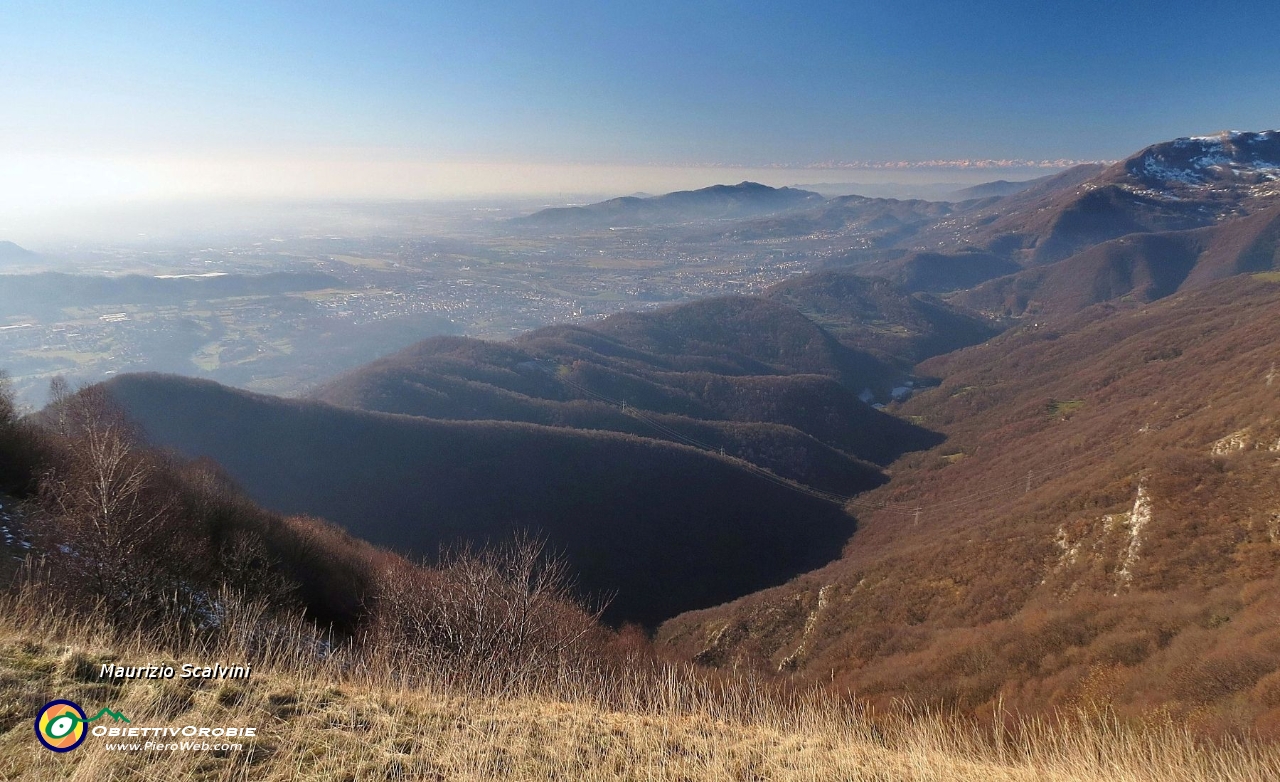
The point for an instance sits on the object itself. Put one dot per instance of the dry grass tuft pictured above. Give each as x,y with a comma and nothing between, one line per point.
324,718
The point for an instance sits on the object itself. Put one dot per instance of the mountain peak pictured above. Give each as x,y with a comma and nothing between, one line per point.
12,252
1231,157
717,202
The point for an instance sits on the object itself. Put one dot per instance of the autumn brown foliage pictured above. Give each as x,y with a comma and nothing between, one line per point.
136,539
486,618
1100,526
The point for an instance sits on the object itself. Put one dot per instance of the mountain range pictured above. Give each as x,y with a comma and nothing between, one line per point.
719,202
1018,453
12,253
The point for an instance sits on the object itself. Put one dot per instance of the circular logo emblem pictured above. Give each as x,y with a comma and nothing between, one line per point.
60,726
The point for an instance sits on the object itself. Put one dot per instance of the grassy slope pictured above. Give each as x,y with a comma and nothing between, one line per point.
317,723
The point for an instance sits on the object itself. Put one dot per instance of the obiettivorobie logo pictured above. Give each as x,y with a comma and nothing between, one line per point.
61,725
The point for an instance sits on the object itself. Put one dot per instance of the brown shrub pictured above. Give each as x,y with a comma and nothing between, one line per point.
495,617
1124,647
1267,690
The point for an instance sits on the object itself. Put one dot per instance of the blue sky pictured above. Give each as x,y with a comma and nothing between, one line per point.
164,90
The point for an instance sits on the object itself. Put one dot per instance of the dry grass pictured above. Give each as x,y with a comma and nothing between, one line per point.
331,720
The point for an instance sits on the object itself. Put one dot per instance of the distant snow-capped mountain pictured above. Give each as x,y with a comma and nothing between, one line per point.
1229,159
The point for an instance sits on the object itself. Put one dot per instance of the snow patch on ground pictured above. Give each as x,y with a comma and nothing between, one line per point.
1156,169
10,533
1195,161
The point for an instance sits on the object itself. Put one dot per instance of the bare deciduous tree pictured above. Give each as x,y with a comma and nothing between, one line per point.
117,529
494,617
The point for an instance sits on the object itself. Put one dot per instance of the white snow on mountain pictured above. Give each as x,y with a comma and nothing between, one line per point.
1199,160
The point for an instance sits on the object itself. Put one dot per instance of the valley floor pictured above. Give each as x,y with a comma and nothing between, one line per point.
315,724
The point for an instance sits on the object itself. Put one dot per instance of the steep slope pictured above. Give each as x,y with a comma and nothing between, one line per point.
969,224
469,380
166,536
1139,268
1175,185
1101,523
719,202
742,335
665,528
876,315
1136,268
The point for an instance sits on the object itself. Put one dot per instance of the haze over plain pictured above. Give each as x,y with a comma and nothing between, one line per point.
920,354
117,104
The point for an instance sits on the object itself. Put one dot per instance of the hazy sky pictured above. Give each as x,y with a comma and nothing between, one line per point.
127,100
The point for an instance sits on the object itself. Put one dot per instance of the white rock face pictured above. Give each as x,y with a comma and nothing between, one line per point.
810,622
1135,521
1236,441
1070,551
1115,537
1244,440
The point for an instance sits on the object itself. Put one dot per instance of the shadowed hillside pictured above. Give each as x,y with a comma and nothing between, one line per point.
942,272
105,524
741,335
665,527
460,379
751,376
